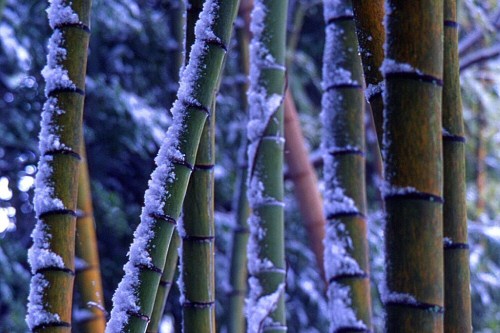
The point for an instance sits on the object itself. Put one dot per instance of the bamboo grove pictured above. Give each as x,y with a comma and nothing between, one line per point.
389,66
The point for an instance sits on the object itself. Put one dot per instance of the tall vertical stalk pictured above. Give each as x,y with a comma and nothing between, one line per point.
457,317
134,298
238,272
197,229
52,255
413,68
369,17
198,236
346,246
305,182
177,29
166,281
266,257
90,316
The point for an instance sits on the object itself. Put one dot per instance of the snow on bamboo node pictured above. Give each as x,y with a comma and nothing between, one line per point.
55,75
338,243
388,189
60,12
190,74
374,89
342,313
259,307
37,311
392,66
389,296
336,8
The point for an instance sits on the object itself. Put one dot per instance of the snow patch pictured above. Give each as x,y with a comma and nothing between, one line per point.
60,12
342,314
37,313
374,89
260,306
392,66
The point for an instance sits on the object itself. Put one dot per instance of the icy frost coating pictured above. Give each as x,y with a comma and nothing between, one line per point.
263,106
39,255
125,300
337,241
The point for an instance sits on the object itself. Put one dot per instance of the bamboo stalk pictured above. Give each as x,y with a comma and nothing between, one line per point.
166,282
52,255
197,228
88,281
369,16
134,298
198,240
238,272
457,317
177,25
346,245
266,257
413,70
303,176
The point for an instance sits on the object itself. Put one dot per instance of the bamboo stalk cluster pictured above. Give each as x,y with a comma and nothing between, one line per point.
415,102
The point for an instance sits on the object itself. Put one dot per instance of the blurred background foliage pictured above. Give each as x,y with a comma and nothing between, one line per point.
131,85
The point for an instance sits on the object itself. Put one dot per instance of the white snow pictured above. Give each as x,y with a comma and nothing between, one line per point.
373,89
393,66
56,77
60,12
37,313
337,259
395,297
339,303
39,255
260,306
125,297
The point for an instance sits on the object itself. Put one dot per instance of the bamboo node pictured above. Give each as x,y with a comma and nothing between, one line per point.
77,25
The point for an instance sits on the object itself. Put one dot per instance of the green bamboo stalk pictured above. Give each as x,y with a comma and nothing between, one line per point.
52,255
197,228
134,298
457,317
346,245
238,273
166,282
198,235
413,70
176,10
88,283
177,26
266,257
369,17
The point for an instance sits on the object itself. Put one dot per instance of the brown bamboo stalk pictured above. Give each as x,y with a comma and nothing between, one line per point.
88,281
303,175
457,317
369,16
413,68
